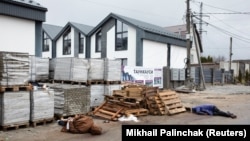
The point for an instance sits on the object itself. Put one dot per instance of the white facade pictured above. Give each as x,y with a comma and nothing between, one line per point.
154,54
178,57
111,53
59,46
17,35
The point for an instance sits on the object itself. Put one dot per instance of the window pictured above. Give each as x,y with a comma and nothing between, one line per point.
98,41
81,43
121,36
67,43
45,42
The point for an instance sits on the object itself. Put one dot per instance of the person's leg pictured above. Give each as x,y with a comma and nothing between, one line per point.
218,112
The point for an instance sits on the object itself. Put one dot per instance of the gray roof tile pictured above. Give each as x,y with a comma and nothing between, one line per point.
52,30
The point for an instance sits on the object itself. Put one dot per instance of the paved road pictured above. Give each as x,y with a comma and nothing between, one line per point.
234,98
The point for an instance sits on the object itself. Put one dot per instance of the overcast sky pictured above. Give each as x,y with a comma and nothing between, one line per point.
223,18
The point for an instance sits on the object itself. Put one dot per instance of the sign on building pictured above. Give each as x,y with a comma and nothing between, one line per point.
141,75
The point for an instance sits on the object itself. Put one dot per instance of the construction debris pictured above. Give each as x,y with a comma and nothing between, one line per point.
139,100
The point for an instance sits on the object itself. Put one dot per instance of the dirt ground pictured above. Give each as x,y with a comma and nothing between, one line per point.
233,98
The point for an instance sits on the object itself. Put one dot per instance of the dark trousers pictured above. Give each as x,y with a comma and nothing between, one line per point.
218,112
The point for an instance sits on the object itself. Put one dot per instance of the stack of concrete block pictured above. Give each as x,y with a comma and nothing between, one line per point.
96,69
14,107
39,68
112,70
42,104
71,69
14,68
70,99
96,95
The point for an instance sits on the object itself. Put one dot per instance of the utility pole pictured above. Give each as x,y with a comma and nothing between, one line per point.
188,79
200,30
230,54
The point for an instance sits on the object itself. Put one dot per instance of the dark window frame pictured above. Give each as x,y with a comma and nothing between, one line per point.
45,42
98,41
81,43
123,33
67,42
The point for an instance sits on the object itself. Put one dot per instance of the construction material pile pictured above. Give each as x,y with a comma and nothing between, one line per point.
42,104
14,68
139,100
70,69
39,68
70,99
14,108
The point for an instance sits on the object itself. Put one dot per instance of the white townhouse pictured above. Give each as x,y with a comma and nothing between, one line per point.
21,26
49,42
181,30
136,43
72,41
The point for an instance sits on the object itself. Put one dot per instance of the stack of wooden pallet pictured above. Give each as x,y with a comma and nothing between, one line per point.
169,103
139,100
116,106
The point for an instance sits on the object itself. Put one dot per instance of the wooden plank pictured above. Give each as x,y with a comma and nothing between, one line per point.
178,110
42,121
99,107
105,116
171,101
15,126
169,97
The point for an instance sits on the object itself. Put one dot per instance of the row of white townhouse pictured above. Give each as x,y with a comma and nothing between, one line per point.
135,42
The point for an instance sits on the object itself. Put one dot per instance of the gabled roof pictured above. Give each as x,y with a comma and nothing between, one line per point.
82,28
139,24
27,9
28,3
52,30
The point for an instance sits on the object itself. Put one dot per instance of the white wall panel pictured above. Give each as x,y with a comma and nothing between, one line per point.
154,54
178,56
17,35
130,53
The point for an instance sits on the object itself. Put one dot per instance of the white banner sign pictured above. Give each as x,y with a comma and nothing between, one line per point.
140,75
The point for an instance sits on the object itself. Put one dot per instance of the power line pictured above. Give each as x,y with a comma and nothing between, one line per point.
243,13
227,32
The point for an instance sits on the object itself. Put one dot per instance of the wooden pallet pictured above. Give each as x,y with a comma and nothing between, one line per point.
95,82
108,111
160,106
42,121
112,82
15,88
152,105
137,112
171,102
15,126
69,82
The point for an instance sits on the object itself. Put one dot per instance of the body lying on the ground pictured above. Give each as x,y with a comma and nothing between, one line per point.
80,124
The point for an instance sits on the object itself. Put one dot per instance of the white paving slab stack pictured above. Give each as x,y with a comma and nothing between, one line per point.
70,69
15,107
42,104
14,68
39,68
112,70
96,95
96,69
